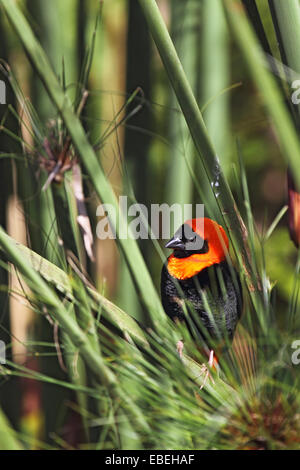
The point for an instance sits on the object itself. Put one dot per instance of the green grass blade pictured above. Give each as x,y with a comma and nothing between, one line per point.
58,310
60,280
8,440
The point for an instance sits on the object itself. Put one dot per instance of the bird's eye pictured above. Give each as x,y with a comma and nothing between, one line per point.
192,239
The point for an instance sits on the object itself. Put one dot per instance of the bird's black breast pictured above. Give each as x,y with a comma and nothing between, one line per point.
213,299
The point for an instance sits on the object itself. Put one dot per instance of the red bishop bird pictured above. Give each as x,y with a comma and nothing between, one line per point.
199,275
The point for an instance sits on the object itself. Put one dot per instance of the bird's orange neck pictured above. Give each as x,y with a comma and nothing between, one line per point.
218,244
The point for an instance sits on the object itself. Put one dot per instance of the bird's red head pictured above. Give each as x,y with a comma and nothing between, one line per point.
197,244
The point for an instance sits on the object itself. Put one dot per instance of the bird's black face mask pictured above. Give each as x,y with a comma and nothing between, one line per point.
186,242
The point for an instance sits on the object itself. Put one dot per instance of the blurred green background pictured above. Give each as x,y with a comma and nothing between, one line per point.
150,150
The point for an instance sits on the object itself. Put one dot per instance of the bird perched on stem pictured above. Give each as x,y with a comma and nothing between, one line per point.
199,285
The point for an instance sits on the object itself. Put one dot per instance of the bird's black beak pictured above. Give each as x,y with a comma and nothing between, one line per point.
175,243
